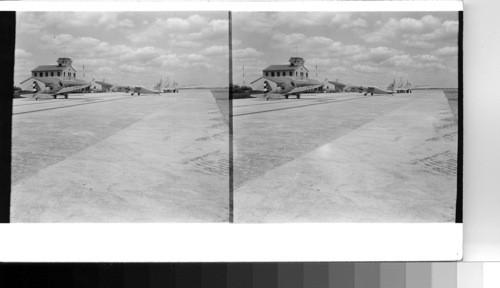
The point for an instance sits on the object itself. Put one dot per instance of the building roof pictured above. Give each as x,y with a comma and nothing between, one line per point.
45,80
281,68
50,68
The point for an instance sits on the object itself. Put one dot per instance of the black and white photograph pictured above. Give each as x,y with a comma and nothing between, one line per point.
120,117
345,117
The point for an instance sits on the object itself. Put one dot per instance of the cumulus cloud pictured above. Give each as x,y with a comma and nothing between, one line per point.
216,50
366,68
246,53
131,68
357,46
117,46
376,55
173,27
417,44
401,60
447,51
426,28
20,53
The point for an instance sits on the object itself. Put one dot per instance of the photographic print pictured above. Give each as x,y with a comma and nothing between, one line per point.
114,119
346,117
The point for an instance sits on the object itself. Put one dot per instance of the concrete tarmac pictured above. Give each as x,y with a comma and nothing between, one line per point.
345,158
112,157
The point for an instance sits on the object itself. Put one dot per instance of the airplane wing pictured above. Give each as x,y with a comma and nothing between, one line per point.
71,89
304,89
146,90
114,87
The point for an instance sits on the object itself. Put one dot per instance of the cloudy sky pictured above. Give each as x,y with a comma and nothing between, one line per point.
356,48
130,48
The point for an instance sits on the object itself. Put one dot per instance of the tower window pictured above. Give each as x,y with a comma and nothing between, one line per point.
46,74
51,74
291,73
272,74
59,73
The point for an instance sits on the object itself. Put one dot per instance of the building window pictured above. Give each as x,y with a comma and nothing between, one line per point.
74,75
51,74
266,73
64,73
46,74
59,73
272,74
296,73
307,75
278,73
291,73
301,74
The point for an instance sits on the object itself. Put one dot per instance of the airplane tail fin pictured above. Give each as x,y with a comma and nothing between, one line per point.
391,86
36,87
158,87
267,87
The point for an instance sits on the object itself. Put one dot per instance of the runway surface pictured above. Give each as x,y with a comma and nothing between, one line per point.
345,158
112,157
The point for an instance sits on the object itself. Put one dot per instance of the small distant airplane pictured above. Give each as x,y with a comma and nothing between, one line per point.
403,88
373,89
139,89
168,89
55,89
288,88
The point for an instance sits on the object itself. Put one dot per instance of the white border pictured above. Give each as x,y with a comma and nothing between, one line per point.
322,6
229,242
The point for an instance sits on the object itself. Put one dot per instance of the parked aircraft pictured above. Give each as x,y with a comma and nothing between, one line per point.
288,88
55,89
139,89
373,89
403,88
170,88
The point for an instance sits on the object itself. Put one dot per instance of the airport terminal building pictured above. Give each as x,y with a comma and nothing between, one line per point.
279,74
63,70
295,71
46,75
